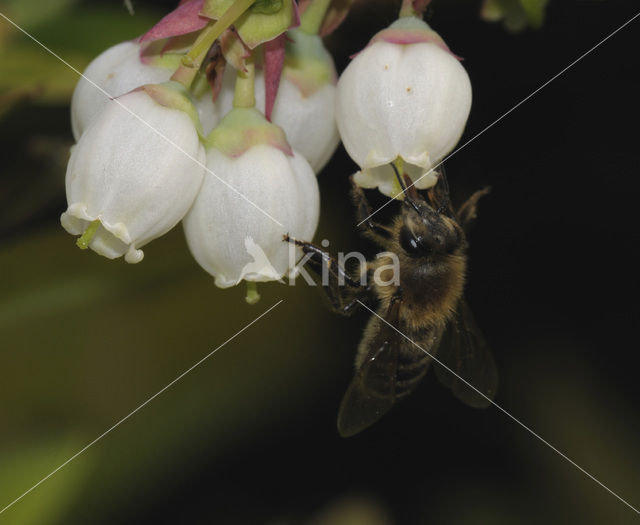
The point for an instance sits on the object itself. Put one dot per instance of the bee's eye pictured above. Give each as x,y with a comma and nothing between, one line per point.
411,245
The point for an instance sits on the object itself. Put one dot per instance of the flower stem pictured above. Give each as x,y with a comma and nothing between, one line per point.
186,74
413,8
244,94
407,9
252,293
192,61
311,20
84,240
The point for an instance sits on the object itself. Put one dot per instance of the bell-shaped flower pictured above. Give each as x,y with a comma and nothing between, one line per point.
256,190
305,104
121,69
135,171
117,71
404,98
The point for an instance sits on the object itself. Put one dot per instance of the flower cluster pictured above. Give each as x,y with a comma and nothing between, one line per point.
222,114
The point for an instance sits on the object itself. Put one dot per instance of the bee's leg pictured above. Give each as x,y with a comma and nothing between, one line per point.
374,230
346,300
343,292
319,259
469,209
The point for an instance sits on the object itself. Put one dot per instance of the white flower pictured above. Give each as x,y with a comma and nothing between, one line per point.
211,113
308,121
128,177
305,104
119,70
231,229
405,95
384,178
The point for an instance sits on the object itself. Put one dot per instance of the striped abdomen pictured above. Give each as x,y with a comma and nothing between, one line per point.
414,361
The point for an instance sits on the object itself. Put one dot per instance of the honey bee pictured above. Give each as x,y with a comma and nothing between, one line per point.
422,315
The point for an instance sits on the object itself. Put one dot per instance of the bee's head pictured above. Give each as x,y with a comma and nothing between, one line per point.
429,227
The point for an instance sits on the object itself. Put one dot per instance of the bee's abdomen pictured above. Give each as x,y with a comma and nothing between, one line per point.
413,363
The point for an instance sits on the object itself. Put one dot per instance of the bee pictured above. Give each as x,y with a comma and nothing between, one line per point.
420,316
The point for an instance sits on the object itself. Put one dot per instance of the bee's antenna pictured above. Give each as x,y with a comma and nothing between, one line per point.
407,190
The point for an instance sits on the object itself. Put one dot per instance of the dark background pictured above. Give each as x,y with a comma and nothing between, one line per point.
249,436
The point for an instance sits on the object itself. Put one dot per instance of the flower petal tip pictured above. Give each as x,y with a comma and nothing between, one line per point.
133,256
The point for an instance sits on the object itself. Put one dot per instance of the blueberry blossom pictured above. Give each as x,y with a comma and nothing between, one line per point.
121,69
257,190
117,71
305,105
135,171
405,98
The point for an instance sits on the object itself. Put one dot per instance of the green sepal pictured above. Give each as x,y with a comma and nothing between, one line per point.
172,94
307,63
243,128
166,61
167,52
233,50
266,7
409,30
263,21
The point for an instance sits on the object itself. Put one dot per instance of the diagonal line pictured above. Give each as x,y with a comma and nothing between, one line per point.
156,131
504,115
504,411
141,406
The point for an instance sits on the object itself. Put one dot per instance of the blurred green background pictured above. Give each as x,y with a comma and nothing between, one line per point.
249,436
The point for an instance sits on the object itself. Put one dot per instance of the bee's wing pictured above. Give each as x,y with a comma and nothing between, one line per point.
372,392
464,350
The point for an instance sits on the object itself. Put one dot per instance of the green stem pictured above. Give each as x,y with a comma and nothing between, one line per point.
192,61
186,74
84,240
311,20
252,293
244,94
407,9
